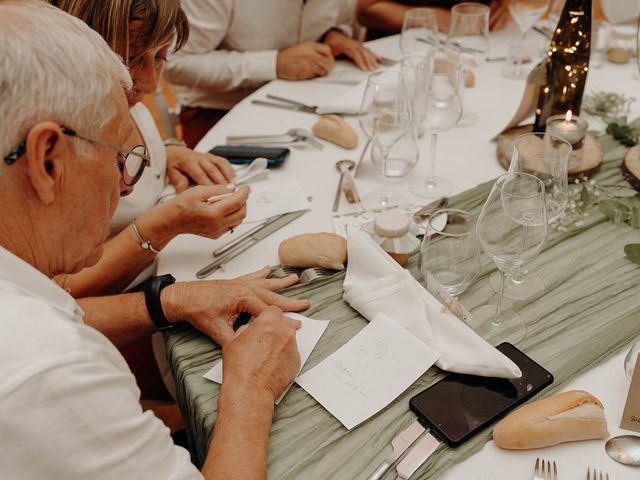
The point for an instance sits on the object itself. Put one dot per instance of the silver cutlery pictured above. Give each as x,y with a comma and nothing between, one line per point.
624,449
305,275
293,135
399,445
343,166
597,475
288,104
247,240
543,471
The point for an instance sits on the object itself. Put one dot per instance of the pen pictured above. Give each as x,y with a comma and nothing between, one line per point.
217,198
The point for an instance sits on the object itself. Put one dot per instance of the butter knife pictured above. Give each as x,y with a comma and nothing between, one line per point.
400,443
417,456
267,229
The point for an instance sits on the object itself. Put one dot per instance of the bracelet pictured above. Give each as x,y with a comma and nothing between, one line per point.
144,244
152,289
174,141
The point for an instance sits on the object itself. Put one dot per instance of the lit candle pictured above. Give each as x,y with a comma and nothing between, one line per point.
568,127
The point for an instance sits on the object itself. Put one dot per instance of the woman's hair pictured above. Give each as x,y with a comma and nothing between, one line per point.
161,20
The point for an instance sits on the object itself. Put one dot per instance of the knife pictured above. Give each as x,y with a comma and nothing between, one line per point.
417,456
259,234
400,443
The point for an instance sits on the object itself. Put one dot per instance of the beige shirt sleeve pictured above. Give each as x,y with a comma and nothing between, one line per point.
202,64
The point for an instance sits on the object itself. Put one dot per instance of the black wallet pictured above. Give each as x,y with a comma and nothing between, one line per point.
243,154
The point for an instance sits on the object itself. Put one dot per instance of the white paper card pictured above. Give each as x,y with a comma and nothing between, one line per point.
307,337
270,199
368,372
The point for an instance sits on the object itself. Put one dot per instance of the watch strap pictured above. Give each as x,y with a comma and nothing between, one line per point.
152,289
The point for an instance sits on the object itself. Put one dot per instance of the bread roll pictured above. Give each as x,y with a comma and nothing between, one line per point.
566,417
325,250
334,129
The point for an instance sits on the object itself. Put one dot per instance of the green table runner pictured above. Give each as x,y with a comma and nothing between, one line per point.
589,311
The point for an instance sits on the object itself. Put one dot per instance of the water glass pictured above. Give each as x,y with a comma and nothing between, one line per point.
469,32
419,32
525,13
451,256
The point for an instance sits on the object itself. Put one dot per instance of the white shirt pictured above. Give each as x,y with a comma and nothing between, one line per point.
148,189
69,406
233,44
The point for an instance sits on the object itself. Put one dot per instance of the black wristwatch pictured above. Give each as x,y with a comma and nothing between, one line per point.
152,289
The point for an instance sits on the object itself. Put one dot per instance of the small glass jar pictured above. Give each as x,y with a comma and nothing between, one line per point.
391,232
621,43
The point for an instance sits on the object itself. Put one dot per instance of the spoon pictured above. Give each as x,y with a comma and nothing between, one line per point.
343,166
421,217
256,169
624,449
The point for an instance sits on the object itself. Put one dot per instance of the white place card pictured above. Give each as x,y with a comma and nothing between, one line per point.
270,199
368,372
307,337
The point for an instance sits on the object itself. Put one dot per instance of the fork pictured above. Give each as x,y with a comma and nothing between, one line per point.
305,275
542,470
602,476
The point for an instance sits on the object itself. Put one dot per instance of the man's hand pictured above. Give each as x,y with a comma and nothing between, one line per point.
213,306
340,44
185,166
263,356
189,212
304,61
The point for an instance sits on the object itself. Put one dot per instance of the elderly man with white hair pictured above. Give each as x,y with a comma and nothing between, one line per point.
69,406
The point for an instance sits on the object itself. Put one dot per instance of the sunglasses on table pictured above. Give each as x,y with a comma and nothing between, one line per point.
131,162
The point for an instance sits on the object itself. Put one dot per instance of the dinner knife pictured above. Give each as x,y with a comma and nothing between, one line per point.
400,443
417,456
259,234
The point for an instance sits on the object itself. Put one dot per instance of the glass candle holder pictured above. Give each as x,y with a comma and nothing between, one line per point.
569,127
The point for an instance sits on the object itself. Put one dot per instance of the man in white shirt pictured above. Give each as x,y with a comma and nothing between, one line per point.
69,406
235,46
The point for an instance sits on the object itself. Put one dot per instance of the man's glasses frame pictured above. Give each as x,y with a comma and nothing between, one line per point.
129,180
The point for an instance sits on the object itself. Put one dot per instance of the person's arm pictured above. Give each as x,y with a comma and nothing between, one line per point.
200,64
387,16
124,258
259,362
210,306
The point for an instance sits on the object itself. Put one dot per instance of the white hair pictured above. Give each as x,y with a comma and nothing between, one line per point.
53,67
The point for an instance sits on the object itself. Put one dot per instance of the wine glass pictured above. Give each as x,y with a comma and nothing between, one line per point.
545,157
512,229
525,13
414,68
469,32
384,118
451,256
442,111
419,32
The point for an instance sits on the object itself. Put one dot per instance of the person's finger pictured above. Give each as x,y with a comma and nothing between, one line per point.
275,284
371,58
284,303
178,180
234,202
198,175
224,166
213,172
297,324
223,335
252,304
258,275
323,49
323,65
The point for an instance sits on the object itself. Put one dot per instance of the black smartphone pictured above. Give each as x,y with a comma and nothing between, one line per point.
243,154
458,406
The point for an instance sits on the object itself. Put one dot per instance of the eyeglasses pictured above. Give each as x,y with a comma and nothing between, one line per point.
131,162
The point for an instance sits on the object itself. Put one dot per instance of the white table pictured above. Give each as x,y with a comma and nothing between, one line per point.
466,157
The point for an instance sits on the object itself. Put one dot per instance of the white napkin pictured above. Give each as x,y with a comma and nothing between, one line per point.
348,103
375,283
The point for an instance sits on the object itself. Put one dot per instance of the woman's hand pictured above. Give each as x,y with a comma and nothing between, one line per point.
186,166
340,44
189,211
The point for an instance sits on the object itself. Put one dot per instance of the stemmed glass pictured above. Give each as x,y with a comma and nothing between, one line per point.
442,111
545,157
419,32
512,229
384,118
525,13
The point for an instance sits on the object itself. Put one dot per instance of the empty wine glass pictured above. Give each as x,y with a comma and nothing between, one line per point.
419,32
442,111
384,117
512,229
545,157
525,13
469,32
451,256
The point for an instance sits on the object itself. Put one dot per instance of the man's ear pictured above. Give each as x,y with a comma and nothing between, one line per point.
47,146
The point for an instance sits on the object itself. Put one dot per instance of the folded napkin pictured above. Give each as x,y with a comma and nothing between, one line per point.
347,104
375,284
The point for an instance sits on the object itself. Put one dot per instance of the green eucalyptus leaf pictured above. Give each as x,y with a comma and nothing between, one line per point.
631,202
634,217
615,211
632,251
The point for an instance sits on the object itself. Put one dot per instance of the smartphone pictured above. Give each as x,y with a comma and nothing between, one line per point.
243,154
459,405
